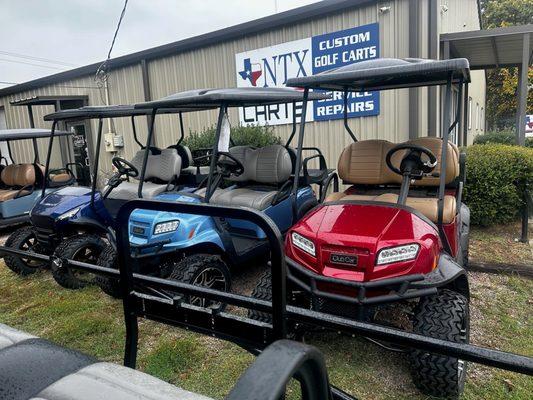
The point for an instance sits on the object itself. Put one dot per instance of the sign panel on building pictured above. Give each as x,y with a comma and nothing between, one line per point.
272,66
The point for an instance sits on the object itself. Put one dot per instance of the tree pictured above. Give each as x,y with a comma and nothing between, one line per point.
502,83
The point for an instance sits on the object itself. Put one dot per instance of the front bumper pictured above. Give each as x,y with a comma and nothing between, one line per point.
373,292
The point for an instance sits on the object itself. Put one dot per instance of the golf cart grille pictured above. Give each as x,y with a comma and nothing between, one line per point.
44,230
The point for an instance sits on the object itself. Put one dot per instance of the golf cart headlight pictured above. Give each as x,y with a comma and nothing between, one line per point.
165,227
69,214
398,253
303,243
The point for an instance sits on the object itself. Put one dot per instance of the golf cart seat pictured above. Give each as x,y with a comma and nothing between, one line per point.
33,368
161,170
187,162
265,169
363,165
17,180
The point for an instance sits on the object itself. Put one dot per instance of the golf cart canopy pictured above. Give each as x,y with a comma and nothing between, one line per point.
387,73
28,133
114,111
231,97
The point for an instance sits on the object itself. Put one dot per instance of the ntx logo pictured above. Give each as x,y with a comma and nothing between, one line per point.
275,70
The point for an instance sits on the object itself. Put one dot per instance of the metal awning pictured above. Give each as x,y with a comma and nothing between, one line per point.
497,48
490,48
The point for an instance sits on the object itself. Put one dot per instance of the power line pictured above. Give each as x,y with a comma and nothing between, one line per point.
8,83
28,57
28,63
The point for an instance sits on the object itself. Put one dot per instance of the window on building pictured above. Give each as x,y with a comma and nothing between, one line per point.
482,119
470,113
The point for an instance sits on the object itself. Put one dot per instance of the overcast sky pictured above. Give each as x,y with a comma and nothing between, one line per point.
79,32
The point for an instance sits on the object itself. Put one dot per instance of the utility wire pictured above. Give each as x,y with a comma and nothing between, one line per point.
8,83
33,58
102,73
28,63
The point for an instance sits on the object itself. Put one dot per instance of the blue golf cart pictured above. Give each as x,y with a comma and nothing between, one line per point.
77,222
21,183
204,250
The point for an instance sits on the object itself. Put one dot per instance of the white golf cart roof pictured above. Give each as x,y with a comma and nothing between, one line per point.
230,97
28,133
387,73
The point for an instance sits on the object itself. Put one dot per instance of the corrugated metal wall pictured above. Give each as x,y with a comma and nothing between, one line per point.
214,66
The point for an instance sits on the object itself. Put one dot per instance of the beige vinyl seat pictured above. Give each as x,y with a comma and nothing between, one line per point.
265,169
16,177
363,163
163,167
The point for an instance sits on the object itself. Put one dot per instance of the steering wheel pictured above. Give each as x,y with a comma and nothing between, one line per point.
229,165
125,167
412,163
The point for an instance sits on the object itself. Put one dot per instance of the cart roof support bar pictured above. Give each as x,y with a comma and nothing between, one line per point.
146,153
96,159
48,156
345,116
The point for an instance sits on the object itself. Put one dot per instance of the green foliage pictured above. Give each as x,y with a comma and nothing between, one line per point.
257,136
502,137
496,178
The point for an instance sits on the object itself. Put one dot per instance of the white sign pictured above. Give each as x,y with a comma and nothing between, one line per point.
272,66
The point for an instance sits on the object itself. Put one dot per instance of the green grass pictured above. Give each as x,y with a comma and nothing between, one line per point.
91,322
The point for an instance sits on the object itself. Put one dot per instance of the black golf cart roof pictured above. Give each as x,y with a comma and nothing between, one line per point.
231,97
113,111
387,73
46,100
28,133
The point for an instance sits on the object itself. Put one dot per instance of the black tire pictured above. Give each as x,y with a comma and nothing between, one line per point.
442,316
110,286
203,270
24,239
86,248
262,291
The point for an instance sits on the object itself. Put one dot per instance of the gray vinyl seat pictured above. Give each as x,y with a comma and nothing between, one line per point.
165,167
32,368
265,169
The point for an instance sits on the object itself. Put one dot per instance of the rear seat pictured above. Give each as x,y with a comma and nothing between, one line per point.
15,177
32,368
363,163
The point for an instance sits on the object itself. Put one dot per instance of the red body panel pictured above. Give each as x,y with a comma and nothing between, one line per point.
363,230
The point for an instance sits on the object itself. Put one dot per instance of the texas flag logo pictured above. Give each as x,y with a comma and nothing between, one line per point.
252,72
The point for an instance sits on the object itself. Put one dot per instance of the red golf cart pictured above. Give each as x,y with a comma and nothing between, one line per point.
399,232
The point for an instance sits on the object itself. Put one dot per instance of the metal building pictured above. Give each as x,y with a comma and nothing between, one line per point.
405,28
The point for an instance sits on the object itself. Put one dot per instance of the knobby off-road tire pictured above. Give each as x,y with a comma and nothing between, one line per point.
262,291
24,239
443,316
203,270
86,248
110,286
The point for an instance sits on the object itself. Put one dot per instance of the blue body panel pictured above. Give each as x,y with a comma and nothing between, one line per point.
66,199
196,230
20,206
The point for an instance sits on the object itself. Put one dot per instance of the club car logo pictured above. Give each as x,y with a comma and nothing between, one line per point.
272,66
346,259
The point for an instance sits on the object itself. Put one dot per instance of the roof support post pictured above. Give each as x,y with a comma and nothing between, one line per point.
433,53
414,32
522,92
146,88
464,126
